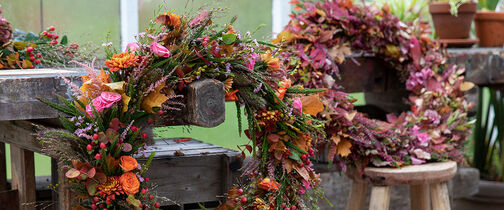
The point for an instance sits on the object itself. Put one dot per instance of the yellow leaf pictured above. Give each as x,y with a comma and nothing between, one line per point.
312,104
116,86
343,148
154,99
125,99
465,86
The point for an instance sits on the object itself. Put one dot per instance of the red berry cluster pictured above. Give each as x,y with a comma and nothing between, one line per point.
48,34
305,158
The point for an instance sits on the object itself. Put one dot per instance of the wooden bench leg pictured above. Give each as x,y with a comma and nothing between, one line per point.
439,196
3,168
380,197
357,196
23,176
419,197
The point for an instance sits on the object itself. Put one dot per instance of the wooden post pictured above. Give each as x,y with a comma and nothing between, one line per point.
419,197
3,168
357,196
380,198
439,196
64,194
23,176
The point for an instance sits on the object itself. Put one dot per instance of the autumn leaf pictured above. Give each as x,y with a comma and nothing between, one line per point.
343,148
228,83
154,99
335,139
338,53
302,172
465,86
116,86
350,116
312,104
125,99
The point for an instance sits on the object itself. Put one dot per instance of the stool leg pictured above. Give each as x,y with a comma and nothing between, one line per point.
380,198
357,196
419,196
439,196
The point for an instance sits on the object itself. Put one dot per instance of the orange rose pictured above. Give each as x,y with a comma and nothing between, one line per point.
128,163
268,185
129,183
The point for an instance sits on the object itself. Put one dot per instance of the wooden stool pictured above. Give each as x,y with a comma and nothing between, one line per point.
420,178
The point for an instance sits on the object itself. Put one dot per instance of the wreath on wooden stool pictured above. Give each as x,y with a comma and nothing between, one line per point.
315,43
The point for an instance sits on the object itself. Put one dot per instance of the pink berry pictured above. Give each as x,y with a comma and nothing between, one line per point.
143,191
287,208
283,205
240,208
52,28
236,200
44,33
151,197
96,199
94,206
98,156
108,202
39,55
310,150
134,128
32,58
160,112
147,179
102,145
32,67
95,136
31,55
89,147
144,135
37,61
149,121
301,165
55,36
53,42
29,49
49,35
293,207
240,191
243,199
157,205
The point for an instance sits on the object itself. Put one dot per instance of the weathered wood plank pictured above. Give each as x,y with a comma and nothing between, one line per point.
23,176
19,133
19,90
9,200
483,65
357,197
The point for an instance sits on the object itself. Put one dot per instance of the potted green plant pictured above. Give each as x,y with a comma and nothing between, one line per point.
489,24
488,156
452,18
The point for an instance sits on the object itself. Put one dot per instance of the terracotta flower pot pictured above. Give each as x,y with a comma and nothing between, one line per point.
452,27
490,28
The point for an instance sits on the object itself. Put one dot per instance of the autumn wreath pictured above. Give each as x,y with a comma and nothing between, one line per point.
316,41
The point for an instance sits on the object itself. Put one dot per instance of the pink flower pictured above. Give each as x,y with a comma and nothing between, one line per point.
423,138
132,46
105,100
306,186
252,61
298,104
160,50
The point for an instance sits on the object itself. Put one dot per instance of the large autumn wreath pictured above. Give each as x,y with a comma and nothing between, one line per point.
108,114
316,41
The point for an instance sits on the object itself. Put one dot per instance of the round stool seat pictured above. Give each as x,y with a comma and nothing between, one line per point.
408,175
